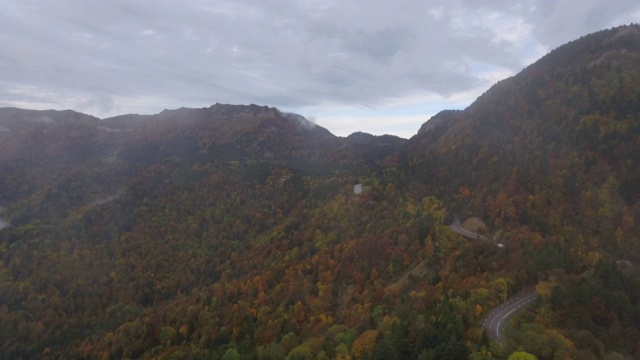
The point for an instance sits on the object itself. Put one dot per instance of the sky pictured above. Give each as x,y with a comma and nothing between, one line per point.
382,67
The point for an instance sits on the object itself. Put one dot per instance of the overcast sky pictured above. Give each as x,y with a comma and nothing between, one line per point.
373,66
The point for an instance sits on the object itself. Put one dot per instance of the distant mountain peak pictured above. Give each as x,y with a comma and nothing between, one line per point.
14,115
439,119
244,111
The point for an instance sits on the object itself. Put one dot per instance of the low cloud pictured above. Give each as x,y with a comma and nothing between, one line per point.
108,199
3,223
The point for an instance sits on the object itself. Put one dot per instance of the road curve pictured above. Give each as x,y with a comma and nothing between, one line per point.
494,321
457,227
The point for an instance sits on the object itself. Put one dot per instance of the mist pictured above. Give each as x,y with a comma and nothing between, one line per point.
3,223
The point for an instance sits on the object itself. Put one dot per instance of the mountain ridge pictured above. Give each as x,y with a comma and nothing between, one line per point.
239,229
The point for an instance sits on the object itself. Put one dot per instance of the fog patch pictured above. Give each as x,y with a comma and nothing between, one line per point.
108,199
300,120
45,119
110,130
100,103
3,223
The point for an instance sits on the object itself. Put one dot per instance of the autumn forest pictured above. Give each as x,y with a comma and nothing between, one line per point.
235,232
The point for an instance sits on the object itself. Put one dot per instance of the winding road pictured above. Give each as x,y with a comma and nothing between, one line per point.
494,321
456,226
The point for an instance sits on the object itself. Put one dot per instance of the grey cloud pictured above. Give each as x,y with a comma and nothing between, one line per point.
280,53
557,22
381,45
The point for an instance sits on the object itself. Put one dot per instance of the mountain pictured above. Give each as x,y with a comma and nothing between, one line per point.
234,231
553,146
256,131
548,158
41,148
248,130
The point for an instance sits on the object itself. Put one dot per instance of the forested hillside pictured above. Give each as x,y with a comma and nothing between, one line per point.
549,159
235,232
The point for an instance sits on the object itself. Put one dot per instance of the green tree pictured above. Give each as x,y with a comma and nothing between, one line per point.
300,352
231,354
384,349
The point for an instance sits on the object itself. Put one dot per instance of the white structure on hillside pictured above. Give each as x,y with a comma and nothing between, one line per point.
357,189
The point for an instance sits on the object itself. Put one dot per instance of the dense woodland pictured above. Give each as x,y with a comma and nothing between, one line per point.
233,232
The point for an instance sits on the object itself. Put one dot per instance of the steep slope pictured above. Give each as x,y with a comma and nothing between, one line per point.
555,145
549,159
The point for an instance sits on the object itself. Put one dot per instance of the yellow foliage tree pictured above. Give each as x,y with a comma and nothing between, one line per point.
362,347
184,330
478,310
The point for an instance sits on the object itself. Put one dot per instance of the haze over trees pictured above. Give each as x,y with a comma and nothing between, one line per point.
234,232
